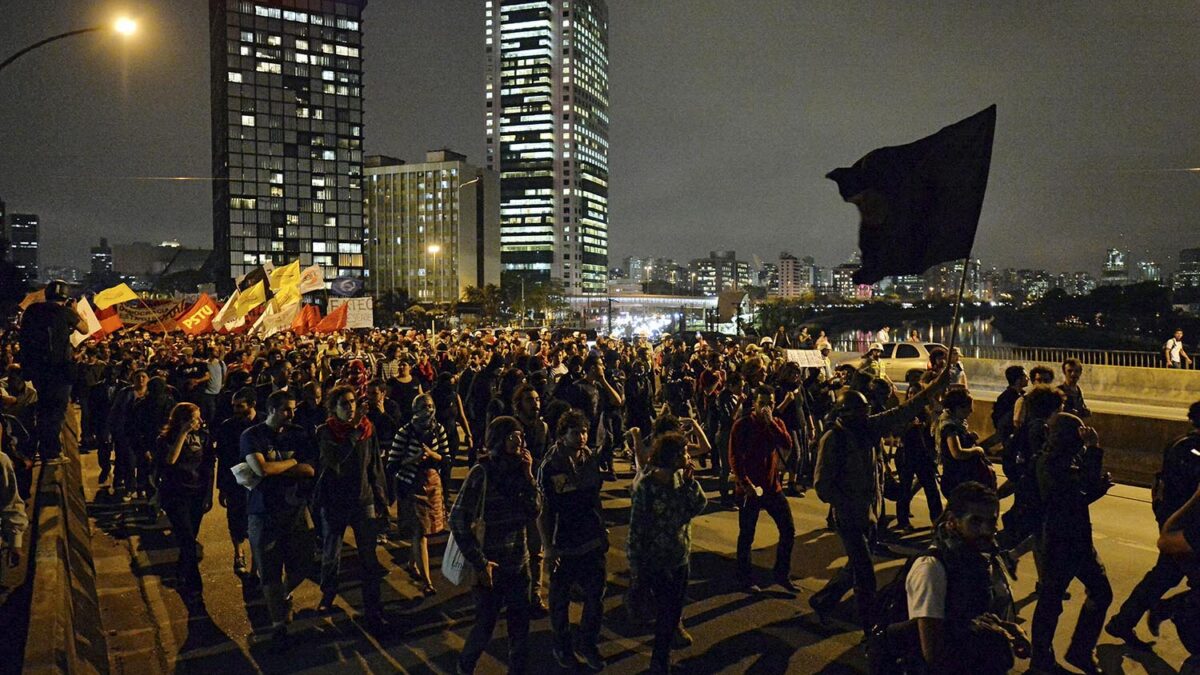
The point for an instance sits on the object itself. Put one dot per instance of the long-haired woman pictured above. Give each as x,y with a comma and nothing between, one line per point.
185,472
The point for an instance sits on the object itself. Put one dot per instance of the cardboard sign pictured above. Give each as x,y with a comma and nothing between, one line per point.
807,358
359,314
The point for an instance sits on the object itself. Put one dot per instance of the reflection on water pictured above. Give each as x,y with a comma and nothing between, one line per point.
973,333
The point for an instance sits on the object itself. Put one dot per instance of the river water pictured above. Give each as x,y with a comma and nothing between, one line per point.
973,333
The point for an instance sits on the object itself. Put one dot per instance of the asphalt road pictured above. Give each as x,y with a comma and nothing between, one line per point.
150,629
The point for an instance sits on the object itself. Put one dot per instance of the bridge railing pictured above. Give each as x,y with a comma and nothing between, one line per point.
1046,355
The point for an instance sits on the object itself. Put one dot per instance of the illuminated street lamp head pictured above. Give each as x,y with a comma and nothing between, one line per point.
125,26
434,249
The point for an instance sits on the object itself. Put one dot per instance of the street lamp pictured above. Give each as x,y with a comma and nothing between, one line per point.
123,26
432,250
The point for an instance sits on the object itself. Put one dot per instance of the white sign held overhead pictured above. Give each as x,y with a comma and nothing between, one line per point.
360,313
806,358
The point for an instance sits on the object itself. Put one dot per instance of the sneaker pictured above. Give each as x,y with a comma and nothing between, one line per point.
239,566
682,639
1127,635
104,474
1085,661
592,659
381,540
566,658
327,600
748,586
786,584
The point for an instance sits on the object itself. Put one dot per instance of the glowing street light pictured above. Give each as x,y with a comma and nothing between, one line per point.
434,249
123,26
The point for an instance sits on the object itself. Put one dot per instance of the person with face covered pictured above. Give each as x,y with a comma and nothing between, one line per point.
757,443
348,491
959,617
417,453
845,479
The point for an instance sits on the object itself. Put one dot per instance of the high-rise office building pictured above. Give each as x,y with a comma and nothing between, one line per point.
433,228
720,271
1116,268
1188,274
287,133
102,258
21,231
546,99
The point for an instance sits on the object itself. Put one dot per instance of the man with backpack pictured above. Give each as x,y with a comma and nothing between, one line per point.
1173,486
954,594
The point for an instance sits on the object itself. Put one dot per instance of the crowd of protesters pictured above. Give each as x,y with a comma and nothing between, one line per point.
301,437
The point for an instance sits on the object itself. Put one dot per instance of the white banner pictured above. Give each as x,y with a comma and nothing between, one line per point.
360,314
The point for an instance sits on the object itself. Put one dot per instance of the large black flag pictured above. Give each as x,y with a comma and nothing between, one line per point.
920,202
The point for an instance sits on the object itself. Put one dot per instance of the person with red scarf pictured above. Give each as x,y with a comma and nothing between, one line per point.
348,494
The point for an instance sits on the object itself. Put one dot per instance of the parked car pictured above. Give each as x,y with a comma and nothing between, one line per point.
899,357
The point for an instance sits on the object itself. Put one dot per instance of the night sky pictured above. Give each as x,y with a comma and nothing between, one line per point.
726,114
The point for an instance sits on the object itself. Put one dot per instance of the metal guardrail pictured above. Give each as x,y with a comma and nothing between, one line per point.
1045,355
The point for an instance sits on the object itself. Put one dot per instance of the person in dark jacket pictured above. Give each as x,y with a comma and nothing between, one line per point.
845,479
185,463
1070,477
149,415
348,491
49,362
227,442
124,435
501,491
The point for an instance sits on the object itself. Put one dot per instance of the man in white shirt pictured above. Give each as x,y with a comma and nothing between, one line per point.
1174,352
961,546
884,335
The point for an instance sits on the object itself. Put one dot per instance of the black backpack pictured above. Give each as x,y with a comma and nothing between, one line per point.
1179,477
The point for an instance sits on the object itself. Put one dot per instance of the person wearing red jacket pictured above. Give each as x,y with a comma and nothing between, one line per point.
755,447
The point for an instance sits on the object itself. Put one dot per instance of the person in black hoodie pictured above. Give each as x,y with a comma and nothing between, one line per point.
226,440
1070,477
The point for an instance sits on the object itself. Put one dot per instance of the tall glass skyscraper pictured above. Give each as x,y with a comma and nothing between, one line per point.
287,134
547,137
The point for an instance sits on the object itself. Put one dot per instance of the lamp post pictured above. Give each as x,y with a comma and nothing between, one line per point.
432,250
123,26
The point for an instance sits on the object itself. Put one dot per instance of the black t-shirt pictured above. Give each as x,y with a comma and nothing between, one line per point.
278,494
45,338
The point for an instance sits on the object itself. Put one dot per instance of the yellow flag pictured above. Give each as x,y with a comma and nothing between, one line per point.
288,275
288,295
114,296
249,299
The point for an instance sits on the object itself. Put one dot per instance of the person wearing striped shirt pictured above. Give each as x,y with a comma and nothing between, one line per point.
418,449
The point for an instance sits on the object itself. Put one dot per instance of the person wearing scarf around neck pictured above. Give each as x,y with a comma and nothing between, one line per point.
349,488
418,450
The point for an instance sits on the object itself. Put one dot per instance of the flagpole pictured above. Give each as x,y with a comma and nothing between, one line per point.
962,285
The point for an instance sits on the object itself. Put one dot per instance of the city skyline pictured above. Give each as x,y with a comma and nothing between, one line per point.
723,131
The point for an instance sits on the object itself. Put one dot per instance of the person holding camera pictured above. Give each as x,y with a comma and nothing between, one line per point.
1070,477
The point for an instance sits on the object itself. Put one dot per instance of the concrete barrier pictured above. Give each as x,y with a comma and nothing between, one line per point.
1136,411
65,635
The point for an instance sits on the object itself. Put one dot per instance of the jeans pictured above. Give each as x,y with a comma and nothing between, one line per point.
533,543
509,590
918,463
333,529
53,398
859,574
126,463
776,506
669,587
588,571
1165,575
1064,562
185,514
235,512
281,544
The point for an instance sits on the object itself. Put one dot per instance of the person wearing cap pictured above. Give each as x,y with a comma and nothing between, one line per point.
845,479
48,358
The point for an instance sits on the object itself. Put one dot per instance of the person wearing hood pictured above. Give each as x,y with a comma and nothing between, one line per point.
348,493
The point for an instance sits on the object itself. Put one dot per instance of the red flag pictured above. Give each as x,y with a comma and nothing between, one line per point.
110,321
334,321
306,320
198,319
